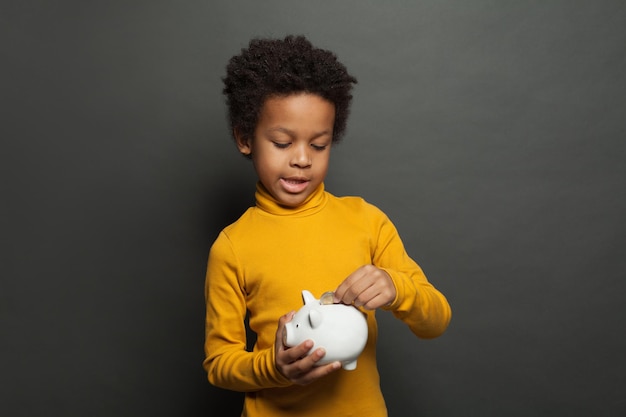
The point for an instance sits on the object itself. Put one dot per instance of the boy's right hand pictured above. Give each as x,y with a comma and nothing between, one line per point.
294,363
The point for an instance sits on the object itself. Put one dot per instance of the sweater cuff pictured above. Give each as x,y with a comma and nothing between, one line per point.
396,301
279,379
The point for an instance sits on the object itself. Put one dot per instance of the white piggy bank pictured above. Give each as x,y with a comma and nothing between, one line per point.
338,328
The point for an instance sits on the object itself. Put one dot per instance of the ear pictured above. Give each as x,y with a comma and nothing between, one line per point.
244,143
307,297
315,317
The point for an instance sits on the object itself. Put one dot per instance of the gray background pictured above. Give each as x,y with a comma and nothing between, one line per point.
491,132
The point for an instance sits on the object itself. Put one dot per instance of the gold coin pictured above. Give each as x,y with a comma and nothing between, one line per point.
327,298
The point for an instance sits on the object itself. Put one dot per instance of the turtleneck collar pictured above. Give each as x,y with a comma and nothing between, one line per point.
267,203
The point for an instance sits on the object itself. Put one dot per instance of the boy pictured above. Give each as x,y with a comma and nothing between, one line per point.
288,103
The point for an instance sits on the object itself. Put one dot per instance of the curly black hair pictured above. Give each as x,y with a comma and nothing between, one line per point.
281,67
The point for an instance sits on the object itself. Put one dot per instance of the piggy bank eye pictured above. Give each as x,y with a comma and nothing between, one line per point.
297,325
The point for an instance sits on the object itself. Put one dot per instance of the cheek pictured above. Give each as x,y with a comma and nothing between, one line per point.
322,163
265,161
270,167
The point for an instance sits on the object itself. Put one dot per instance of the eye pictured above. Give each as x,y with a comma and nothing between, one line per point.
281,145
318,147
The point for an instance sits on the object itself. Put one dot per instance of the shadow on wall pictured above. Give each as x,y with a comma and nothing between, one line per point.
225,403
228,198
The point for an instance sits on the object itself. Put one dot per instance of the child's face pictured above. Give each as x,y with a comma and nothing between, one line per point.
291,145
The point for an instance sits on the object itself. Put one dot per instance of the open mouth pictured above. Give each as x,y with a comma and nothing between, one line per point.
294,180
294,185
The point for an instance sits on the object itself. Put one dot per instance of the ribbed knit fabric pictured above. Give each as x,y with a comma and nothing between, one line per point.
261,263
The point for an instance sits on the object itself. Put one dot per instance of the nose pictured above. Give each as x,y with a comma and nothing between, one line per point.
301,157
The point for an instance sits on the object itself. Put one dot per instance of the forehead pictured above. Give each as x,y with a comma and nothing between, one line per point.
303,109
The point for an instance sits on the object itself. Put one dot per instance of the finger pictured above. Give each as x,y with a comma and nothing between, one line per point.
379,295
317,373
345,292
281,329
367,297
299,366
341,289
296,353
357,293
377,301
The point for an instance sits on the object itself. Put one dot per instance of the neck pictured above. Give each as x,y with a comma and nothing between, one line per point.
266,202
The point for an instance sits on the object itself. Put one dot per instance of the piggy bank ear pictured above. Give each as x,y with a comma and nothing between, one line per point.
307,297
315,317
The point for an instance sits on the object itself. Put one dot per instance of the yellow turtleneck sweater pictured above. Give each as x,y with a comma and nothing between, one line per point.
263,261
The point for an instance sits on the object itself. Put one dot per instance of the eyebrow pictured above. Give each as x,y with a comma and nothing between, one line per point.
292,134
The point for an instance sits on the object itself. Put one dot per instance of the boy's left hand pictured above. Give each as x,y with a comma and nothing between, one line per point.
368,287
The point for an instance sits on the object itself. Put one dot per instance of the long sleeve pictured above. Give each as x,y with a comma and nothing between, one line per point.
227,362
418,303
258,267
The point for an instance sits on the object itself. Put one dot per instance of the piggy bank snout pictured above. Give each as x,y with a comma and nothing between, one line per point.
288,335
293,333
302,326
